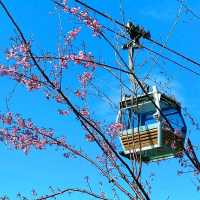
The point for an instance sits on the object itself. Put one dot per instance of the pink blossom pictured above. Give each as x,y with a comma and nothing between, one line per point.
189,149
8,118
115,128
66,9
24,61
83,14
7,71
21,123
24,48
85,78
62,140
86,58
59,99
40,144
72,34
80,58
74,10
32,83
85,18
29,124
72,57
63,62
89,138
84,112
81,94
15,130
23,134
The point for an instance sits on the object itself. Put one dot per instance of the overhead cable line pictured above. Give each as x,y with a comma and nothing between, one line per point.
175,52
147,38
154,52
172,61
142,46
100,13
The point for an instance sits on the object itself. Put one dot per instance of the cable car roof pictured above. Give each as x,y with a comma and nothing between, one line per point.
131,101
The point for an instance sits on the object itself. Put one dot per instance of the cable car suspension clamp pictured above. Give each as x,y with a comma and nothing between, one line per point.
135,32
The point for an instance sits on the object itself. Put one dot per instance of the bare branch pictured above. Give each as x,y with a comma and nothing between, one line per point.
73,190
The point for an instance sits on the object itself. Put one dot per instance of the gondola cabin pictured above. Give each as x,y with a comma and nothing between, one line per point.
145,132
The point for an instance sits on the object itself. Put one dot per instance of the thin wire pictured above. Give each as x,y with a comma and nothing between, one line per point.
188,9
172,29
120,69
175,52
159,54
123,36
169,59
100,13
124,26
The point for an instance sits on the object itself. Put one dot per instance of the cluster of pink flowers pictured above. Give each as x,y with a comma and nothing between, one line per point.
23,134
89,138
115,128
85,78
15,50
72,35
63,112
85,18
20,53
4,71
32,83
7,118
84,112
85,59
23,62
80,93
80,58
59,99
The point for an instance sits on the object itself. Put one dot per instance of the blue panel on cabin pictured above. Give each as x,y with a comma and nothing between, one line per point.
176,120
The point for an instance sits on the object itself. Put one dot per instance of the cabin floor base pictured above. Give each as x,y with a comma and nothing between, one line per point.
155,154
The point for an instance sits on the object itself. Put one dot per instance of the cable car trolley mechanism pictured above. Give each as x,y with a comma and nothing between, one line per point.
145,132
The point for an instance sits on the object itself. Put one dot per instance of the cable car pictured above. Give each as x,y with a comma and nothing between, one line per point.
145,132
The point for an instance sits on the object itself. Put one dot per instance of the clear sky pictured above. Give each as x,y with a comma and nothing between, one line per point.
40,22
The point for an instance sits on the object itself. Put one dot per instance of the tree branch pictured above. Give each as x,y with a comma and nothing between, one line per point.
69,190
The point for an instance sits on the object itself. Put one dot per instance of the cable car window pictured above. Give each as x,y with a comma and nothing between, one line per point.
175,119
129,118
147,119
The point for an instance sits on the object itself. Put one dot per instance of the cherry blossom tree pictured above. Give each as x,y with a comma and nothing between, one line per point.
48,74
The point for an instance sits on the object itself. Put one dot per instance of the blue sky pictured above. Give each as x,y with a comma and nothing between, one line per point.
40,22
